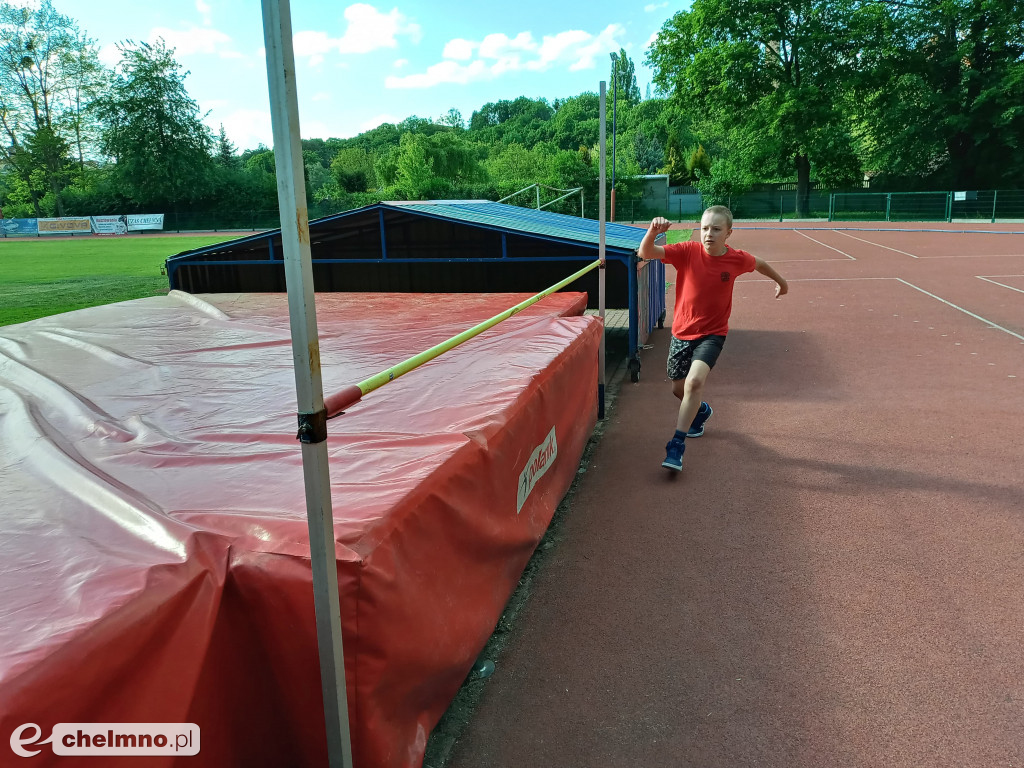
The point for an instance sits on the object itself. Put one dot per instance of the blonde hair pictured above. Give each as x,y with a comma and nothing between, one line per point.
721,210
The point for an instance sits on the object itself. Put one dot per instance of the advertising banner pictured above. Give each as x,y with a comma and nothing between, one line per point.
110,225
18,227
143,221
64,225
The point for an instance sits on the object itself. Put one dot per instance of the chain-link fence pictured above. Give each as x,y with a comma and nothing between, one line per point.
772,204
985,205
829,205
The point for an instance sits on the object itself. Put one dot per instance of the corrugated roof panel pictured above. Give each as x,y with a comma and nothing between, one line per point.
528,220
620,239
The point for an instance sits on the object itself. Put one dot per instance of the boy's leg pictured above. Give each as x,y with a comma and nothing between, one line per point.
680,355
690,390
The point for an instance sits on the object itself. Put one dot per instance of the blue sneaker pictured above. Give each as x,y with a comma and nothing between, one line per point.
674,454
697,427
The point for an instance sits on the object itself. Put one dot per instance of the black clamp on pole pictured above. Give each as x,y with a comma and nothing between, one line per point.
312,427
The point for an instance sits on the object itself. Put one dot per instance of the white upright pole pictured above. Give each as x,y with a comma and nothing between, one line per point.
600,252
312,417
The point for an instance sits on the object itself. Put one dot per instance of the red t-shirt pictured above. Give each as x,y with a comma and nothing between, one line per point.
704,287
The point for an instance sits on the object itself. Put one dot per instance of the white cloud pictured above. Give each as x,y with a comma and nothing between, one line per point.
497,54
655,7
459,49
500,46
204,11
443,72
507,53
109,55
367,30
555,47
400,63
186,42
598,47
247,128
313,45
322,96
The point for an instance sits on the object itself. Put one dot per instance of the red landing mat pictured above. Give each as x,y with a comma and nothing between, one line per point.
154,555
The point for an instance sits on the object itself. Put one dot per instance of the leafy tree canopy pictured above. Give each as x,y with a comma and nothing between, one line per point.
153,129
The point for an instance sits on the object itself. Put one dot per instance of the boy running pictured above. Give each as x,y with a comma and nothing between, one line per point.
706,272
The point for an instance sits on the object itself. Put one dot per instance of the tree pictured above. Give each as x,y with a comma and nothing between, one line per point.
647,151
454,159
513,167
262,160
414,175
698,163
943,91
523,121
85,80
623,79
47,67
452,118
225,149
352,169
577,123
775,74
153,131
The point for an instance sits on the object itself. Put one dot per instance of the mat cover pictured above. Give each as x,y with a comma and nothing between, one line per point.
154,554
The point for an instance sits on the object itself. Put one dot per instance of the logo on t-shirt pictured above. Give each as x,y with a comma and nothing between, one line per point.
725,277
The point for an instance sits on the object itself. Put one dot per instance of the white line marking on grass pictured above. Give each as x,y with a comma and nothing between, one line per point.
961,309
878,245
1001,285
827,246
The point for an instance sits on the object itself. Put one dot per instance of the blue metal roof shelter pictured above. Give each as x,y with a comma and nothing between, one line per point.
442,246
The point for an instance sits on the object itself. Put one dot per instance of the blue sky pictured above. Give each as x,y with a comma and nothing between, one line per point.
363,63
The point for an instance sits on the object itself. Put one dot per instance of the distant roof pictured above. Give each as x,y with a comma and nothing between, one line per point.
514,218
621,240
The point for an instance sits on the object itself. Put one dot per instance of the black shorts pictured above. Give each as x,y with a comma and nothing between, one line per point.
681,353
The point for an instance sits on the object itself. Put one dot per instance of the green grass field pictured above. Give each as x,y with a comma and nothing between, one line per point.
46,277
677,236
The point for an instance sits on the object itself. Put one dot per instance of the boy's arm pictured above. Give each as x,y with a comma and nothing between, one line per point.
768,270
648,251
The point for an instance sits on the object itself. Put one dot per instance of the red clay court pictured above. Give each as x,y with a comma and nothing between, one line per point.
835,578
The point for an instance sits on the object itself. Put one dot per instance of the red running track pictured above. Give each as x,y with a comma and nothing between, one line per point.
835,578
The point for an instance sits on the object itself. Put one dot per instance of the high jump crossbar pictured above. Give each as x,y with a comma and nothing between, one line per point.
352,394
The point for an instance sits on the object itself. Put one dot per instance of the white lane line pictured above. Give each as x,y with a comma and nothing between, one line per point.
901,280
844,253
813,279
1001,285
976,256
795,261
965,311
878,245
